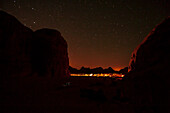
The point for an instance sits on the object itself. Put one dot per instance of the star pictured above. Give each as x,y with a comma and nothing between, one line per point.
97,22
113,6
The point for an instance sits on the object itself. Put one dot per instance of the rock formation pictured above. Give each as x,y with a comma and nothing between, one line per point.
96,70
85,70
148,82
153,49
124,70
73,70
14,46
24,52
109,70
49,53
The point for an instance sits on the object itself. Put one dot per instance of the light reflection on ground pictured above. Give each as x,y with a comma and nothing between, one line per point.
100,75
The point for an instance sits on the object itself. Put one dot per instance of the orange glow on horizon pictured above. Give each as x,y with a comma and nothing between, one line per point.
117,68
114,68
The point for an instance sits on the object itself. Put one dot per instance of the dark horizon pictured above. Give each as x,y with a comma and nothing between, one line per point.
114,68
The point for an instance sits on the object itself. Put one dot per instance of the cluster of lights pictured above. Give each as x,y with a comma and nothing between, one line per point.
100,75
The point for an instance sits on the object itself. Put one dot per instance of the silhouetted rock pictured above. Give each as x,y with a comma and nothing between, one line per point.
73,70
24,52
148,82
97,70
49,53
109,70
85,70
14,47
153,49
124,70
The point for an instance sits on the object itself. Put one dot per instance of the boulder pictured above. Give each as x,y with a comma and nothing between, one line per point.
49,55
147,84
14,47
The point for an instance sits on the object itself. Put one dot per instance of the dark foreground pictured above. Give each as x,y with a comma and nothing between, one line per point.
74,95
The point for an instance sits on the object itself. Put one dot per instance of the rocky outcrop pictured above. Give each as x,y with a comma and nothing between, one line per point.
148,82
153,49
85,70
109,70
73,70
96,70
14,46
49,53
24,52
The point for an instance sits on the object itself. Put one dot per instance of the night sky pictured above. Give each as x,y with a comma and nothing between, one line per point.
98,32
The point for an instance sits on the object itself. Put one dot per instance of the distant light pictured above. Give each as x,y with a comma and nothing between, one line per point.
122,75
100,75
14,1
34,22
91,75
86,75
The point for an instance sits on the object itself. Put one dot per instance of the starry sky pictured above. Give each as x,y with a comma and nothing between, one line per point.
98,32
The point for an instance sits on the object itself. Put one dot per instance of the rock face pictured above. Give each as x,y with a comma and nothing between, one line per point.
14,49
147,83
49,53
153,49
24,52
